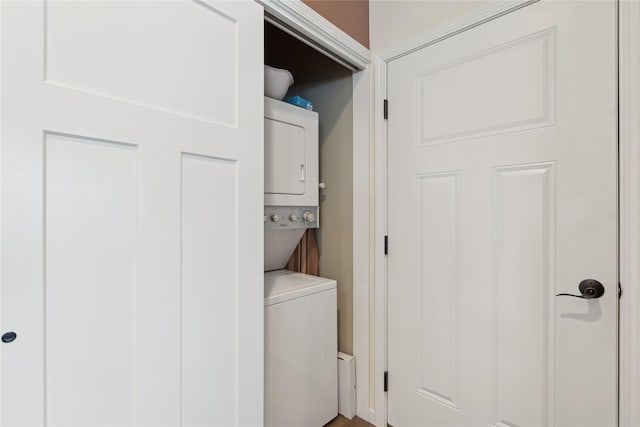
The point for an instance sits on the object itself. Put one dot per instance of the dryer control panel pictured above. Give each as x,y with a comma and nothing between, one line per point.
283,217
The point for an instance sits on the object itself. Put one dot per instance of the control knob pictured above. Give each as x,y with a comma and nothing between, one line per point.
275,218
308,216
293,218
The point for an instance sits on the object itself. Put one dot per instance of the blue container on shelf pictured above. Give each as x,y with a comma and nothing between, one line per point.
300,102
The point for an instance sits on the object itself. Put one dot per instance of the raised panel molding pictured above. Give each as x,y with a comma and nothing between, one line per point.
488,306
161,67
439,231
209,291
91,200
520,95
525,284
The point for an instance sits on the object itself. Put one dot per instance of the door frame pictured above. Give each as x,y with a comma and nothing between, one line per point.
629,196
629,210
308,26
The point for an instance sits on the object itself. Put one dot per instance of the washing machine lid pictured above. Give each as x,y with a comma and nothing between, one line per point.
285,285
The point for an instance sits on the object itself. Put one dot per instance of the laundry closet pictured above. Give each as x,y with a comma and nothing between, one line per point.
308,229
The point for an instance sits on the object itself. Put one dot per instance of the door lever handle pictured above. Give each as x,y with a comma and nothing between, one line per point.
9,337
589,289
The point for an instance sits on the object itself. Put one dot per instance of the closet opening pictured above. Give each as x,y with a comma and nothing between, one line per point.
326,251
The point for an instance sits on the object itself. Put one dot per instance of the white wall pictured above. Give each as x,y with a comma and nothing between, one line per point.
394,21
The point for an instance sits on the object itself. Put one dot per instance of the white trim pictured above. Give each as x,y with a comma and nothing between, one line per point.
484,14
629,113
306,24
380,261
361,231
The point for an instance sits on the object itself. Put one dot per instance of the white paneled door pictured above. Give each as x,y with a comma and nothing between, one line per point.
131,246
502,193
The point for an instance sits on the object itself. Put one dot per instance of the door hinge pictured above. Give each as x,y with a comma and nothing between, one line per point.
386,245
619,291
386,109
386,381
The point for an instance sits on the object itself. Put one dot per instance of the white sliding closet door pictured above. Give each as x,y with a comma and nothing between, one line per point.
131,208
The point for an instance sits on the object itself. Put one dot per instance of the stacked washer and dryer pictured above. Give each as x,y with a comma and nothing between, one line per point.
300,310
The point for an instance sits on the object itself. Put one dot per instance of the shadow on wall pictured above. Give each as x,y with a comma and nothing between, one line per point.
332,100
313,73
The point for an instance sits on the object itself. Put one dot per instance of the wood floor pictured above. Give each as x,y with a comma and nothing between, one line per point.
341,421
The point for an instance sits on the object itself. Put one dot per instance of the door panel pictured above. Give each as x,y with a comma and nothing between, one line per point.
200,42
285,158
523,295
131,153
437,204
468,83
209,255
91,197
502,193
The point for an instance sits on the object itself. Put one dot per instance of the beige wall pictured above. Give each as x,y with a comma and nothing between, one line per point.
333,101
351,16
394,21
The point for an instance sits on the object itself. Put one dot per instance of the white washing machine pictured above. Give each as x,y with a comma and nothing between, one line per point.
301,378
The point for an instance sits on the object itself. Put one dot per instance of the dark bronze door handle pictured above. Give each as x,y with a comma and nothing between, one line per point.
589,288
9,337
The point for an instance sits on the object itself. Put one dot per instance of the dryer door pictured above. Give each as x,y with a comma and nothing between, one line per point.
285,156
